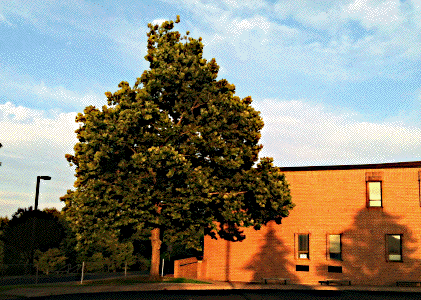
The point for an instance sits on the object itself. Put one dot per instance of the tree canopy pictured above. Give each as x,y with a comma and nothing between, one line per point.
29,230
177,151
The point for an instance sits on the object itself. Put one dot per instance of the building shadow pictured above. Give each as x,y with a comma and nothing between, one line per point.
365,251
273,259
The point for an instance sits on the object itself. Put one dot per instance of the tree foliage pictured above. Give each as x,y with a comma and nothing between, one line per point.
29,230
177,151
3,224
51,260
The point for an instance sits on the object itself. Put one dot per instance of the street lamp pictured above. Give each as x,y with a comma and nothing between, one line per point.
37,192
33,219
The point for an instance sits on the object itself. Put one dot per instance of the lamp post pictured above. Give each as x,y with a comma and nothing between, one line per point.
33,219
37,192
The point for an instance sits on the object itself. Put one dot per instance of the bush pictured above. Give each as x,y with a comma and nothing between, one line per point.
50,261
95,263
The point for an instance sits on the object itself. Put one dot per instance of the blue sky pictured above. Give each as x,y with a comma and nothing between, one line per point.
337,82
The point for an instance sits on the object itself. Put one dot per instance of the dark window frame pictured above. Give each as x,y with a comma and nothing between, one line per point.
419,187
388,246
329,253
368,194
304,252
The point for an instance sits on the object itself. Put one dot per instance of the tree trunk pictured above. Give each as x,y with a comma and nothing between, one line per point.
156,246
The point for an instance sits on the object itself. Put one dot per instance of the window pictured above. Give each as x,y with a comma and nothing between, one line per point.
334,269
374,193
303,246
301,268
419,187
394,247
335,251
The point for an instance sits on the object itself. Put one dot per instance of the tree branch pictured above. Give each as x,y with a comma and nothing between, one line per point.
181,118
237,193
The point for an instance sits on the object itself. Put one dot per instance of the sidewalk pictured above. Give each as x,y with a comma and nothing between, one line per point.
70,288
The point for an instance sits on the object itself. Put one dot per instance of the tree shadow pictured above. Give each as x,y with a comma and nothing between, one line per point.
365,257
274,259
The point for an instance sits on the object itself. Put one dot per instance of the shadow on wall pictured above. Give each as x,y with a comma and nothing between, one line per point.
366,247
272,259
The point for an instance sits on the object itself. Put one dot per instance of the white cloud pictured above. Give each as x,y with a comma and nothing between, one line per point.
66,96
23,126
392,27
9,198
34,145
158,21
85,22
24,86
325,15
20,113
336,50
376,13
297,133
4,20
246,4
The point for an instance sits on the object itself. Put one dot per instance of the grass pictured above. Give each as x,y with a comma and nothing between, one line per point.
185,280
11,287
113,281
142,279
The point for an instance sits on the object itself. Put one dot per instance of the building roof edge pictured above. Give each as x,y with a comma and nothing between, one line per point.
408,164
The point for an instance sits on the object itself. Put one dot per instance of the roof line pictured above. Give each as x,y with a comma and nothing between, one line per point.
408,164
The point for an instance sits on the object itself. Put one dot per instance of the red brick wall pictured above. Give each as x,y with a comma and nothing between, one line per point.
188,268
330,202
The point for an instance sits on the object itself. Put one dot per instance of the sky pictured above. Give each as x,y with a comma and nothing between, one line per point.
336,81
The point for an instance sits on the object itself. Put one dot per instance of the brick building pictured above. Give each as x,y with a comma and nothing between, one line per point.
360,222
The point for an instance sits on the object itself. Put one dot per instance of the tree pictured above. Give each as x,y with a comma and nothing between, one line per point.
174,153
29,230
51,260
3,224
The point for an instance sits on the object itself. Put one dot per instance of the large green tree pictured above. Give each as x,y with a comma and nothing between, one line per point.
175,153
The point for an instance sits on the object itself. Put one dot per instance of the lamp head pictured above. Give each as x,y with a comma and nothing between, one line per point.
45,177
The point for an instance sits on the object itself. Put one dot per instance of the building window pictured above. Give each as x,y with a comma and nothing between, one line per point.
374,194
301,268
303,246
394,247
334,269
419,187
335,249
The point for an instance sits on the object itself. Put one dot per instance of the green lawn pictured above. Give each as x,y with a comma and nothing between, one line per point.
113,281
141,279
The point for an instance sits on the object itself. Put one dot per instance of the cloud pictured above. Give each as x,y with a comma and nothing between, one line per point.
298,133
307,36
245,4
34,145
23,125
4,20
158,21
17,86
374,13
328,40
85,22
66,96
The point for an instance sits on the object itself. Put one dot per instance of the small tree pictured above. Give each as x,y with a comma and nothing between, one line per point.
121,256
95,263
51,260
174,153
